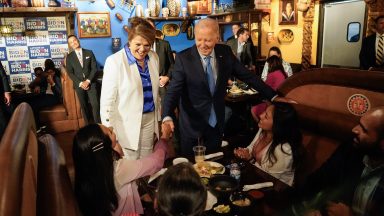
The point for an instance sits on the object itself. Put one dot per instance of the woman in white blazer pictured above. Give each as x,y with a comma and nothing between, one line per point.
129,95
277,147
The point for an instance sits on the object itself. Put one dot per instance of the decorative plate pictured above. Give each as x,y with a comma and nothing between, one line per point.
285,36
171,29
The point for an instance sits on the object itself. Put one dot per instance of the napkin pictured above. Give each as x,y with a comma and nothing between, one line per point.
250,91
211,200
159,173
257,186
217,154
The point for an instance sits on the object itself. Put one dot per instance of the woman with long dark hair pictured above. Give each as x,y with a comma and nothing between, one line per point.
104,180
181,192
277,146
275,51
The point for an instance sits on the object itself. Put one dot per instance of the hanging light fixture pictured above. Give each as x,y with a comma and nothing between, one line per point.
5,29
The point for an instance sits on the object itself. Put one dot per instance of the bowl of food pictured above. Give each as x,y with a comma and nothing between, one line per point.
241,203
222,186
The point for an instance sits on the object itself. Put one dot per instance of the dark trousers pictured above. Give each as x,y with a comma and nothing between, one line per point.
91,95
41,101
210,138
5,114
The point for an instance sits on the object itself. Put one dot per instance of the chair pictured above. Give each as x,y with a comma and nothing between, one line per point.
330,102
66,116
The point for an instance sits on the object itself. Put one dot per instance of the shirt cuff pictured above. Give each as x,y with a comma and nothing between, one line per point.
274,97
80,84
88,80
167,118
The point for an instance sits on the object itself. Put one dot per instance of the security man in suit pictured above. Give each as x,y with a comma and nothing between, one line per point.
372,48
81,68
241,48
5,104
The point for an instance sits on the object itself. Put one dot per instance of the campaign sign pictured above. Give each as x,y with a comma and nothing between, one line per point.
17,53
59,50
2,41
36,63
16,39
5,66
16,22
57,37
56,24
35,23
21,78
19,67
36,52
58,62
3,54
35,38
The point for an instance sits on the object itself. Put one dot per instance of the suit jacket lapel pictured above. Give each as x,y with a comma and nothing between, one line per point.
157,46
220,69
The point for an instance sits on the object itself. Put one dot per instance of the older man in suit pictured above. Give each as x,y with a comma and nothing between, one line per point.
81,67
5,105
372,48
199,81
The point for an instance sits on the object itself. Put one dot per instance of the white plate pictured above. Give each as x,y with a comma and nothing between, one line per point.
212,164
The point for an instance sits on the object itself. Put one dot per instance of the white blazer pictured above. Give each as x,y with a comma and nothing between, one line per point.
121,102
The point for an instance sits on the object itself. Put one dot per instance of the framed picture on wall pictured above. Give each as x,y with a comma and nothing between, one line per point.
93,24
288,12
204,7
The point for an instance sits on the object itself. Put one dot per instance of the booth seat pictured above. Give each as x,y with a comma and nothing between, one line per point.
330,103
66,116
33,178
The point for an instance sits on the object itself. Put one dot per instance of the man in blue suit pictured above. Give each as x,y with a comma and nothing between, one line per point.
199,80
372,48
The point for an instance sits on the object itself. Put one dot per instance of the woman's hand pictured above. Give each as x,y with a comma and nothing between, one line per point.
242,153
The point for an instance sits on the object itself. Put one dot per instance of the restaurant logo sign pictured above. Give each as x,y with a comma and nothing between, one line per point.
16,40
358,104
20,67
35,23
39,52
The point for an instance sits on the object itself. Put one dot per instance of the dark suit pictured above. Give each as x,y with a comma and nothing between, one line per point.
368,53
190,85
4,109
79,74
166,61
246,56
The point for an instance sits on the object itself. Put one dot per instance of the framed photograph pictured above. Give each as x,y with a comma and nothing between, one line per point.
288,12
93,24
204,7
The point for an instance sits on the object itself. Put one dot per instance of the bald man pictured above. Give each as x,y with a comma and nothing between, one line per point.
199,80
351,182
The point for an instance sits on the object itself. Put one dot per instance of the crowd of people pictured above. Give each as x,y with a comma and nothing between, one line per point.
143,85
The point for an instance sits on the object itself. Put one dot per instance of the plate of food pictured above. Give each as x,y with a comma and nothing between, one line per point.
208,168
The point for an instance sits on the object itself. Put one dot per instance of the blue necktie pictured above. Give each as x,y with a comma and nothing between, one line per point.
211,82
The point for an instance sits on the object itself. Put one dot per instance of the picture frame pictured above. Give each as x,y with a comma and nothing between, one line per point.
204,7
93,24
288,12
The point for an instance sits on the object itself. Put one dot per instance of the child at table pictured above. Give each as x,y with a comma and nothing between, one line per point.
277,147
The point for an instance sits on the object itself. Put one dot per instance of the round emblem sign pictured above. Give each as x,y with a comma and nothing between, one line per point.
358,104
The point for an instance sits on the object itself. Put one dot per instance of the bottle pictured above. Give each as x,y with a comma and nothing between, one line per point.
235,171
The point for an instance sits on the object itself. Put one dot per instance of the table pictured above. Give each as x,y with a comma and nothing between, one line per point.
275,198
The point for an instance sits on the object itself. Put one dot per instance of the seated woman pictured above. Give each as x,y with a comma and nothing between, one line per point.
275,51
276,148
181,192
276,77
104,180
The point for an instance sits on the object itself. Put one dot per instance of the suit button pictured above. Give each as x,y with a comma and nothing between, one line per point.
107,120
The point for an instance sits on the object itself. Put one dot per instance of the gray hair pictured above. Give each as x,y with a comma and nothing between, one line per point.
208,23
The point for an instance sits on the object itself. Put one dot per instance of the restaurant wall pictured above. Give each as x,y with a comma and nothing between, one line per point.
102,47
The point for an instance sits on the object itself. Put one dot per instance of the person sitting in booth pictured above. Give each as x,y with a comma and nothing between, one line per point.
277,147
